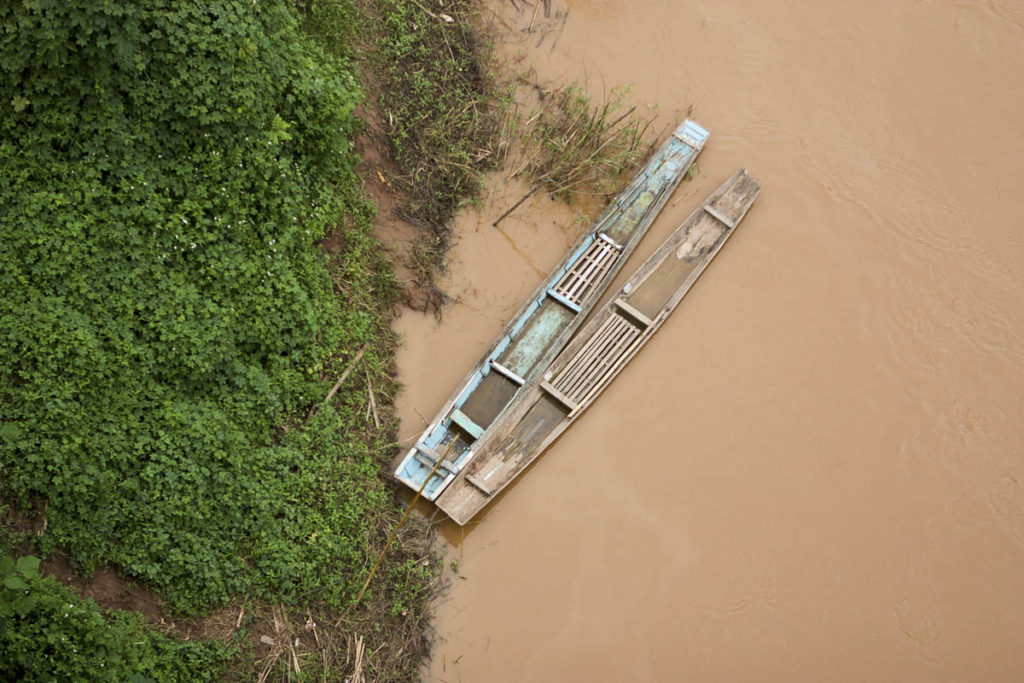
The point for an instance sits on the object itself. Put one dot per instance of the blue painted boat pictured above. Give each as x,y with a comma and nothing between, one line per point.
599,352
547,320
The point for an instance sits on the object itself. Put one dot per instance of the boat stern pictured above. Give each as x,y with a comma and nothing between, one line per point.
416,466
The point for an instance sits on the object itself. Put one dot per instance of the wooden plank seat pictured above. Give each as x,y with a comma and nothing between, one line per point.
559,396
480,484
597,358
632,312
583,275
568,303
464,421
507,373
720,216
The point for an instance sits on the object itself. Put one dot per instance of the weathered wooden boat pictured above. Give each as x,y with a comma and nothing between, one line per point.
547,319
575,378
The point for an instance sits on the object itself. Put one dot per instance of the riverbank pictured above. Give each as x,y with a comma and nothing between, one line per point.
197,358
238,267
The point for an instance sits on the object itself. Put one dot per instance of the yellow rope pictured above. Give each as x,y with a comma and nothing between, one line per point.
394,534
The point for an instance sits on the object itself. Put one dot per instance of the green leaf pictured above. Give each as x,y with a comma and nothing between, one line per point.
28,566
6,566
15,583
9,432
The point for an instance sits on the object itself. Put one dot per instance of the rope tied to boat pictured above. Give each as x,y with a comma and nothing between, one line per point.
401,522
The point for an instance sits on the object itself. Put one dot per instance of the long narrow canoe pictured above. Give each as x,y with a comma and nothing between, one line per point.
548,318
578,375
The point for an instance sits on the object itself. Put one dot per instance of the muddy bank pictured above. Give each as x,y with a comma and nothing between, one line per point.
815,468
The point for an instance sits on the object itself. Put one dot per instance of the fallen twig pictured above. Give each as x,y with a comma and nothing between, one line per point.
373,402
515,206
442,16
337,385
357,667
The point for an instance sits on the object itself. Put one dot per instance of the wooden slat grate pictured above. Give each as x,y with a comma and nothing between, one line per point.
598,356
579,281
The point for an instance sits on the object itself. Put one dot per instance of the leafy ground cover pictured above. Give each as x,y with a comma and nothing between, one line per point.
48,633
169,321
441,111
167,171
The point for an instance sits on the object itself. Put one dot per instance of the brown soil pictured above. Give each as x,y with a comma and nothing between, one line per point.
108,588
406,244
111,590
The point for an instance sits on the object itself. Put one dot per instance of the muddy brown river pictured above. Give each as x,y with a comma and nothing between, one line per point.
814,471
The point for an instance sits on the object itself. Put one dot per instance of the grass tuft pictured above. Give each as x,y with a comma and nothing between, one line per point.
574,147
437,105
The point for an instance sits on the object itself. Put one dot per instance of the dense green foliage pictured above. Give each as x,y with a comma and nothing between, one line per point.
49,634
167,168
335,24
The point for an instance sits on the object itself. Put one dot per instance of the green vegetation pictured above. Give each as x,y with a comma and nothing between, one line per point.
334,24
186,268
438,107
165,308
47,633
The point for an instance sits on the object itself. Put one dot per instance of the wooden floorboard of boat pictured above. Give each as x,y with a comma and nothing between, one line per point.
599,351
544,325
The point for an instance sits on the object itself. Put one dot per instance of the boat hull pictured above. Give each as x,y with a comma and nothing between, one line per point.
547,320
599,352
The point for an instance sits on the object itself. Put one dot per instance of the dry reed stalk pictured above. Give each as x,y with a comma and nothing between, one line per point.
373,402
357,666
268,664
341,380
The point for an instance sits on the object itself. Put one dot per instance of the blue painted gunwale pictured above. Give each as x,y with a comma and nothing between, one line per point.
654,183
586,365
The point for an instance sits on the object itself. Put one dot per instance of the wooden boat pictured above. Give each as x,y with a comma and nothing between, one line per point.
547,319
578,375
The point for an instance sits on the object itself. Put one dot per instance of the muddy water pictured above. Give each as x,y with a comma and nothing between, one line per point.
815,469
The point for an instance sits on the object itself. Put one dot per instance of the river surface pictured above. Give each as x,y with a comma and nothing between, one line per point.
815,470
